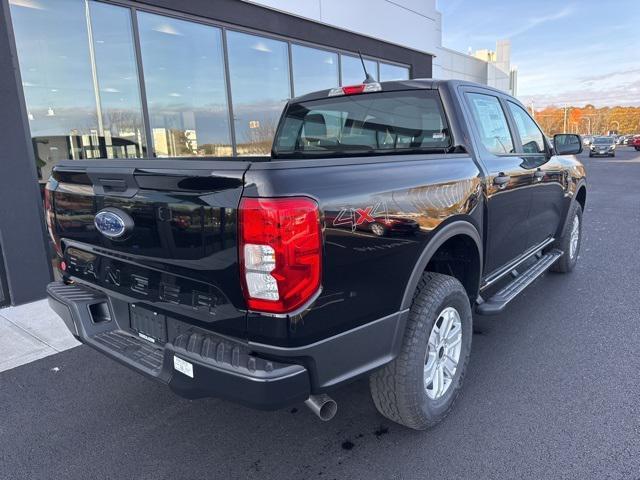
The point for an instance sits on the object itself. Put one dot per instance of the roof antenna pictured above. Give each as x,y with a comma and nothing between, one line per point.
367,78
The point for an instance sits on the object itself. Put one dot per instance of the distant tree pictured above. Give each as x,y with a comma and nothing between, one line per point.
589,119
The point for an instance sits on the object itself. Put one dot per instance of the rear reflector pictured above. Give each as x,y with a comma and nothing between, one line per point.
280,252
355,89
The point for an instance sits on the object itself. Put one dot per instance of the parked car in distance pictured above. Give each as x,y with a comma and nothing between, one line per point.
635,142
254,279
602,146
587,139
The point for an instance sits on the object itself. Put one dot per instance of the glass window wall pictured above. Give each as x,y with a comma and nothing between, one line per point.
51,38
390,72
80,80
260,87
185,85
313,69
116,82
82,83
352,72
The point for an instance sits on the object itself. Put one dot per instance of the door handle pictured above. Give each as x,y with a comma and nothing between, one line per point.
501,180
539,175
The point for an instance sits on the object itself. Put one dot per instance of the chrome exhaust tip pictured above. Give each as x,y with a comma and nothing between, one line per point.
323,406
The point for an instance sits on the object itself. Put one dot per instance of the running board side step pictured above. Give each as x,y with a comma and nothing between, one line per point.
499,301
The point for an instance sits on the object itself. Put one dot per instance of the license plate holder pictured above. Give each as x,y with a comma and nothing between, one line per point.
149,325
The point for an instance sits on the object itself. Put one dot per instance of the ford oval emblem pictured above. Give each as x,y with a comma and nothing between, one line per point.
113,223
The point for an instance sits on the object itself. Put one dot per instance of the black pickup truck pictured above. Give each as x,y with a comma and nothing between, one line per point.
386,214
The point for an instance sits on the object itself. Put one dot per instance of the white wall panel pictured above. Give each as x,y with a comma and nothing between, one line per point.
384,20
450,64
303,8
423,7
408,23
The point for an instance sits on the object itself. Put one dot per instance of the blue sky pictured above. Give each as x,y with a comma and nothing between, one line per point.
573,52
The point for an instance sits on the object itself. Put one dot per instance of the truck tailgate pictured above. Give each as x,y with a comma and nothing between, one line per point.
180,253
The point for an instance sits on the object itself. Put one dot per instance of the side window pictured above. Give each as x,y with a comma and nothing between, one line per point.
531,136
492,123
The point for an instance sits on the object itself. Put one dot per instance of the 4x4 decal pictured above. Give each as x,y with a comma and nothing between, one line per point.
357,216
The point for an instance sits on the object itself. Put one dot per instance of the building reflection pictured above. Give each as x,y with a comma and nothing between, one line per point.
429,205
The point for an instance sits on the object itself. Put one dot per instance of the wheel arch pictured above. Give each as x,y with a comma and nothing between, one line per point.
461,229
581,195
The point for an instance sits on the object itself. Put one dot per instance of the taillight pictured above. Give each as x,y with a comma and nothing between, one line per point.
355,89
280,252
49,217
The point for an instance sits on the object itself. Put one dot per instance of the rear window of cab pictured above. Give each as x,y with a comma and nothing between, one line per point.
410,121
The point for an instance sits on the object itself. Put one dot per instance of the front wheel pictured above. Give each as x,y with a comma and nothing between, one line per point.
419,387
637,149
570,242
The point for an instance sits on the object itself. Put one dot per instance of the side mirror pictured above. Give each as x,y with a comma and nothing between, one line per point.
567,144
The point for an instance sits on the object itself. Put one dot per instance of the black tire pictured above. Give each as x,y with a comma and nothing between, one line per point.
590,155
637,149
566,262
398,389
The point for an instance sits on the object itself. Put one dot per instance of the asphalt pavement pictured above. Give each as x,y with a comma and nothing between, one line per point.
552,392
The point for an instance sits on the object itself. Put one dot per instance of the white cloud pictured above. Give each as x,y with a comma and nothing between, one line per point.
530,24
624,94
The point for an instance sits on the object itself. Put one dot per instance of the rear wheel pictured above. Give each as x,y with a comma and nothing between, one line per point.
570,242
637,149
419,387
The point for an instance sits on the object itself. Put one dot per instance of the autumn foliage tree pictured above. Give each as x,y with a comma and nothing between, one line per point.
589,120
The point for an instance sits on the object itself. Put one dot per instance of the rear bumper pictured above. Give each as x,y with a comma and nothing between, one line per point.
222,367
256,375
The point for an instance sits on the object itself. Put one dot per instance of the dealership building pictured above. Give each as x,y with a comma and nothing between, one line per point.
88,79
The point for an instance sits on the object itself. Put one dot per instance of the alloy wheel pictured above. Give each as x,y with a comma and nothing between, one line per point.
575,237
443,353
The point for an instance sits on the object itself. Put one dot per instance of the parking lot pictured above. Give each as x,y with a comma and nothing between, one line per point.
551,392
